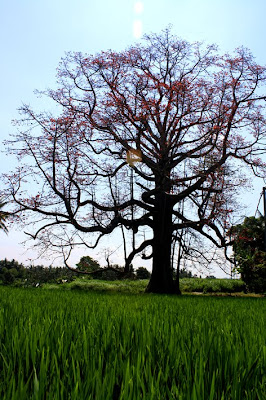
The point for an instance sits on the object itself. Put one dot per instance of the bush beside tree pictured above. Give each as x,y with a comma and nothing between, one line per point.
249,252
142,273
88,264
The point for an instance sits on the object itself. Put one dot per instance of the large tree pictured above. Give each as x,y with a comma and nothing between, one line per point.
152,138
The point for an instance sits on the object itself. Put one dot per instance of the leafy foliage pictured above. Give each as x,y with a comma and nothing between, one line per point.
142,273
14,272
249,252
88,264
11,271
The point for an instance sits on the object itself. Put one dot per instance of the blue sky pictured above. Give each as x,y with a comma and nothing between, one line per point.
36,33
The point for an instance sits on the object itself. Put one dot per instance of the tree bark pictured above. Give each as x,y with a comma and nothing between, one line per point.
161,280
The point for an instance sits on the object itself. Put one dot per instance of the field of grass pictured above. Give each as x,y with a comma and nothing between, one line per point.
69,344
187,285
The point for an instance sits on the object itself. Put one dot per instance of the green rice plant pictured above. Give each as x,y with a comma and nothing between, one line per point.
211,285
72,344
123,286
187,285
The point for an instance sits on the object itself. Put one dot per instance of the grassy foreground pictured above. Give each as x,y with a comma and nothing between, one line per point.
88,345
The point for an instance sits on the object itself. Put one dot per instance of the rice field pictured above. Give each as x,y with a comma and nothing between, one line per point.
69,344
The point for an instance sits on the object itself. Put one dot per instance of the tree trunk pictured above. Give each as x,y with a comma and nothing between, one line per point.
161,280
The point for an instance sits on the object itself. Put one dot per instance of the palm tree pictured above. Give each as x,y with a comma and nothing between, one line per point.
3,217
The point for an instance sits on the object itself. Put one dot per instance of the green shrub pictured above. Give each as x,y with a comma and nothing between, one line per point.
88,264
142,273
8,276
249,252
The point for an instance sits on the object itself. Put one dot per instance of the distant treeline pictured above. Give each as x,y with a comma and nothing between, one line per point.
14,272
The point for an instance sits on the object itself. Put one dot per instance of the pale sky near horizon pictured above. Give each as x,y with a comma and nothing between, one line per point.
35,34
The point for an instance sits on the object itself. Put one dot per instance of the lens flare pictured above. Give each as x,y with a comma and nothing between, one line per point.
137,23
138,7
137,28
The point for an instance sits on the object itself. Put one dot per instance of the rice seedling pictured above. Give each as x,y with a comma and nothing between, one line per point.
57,344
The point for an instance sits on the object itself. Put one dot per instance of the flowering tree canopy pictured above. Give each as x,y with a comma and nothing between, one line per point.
152,137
